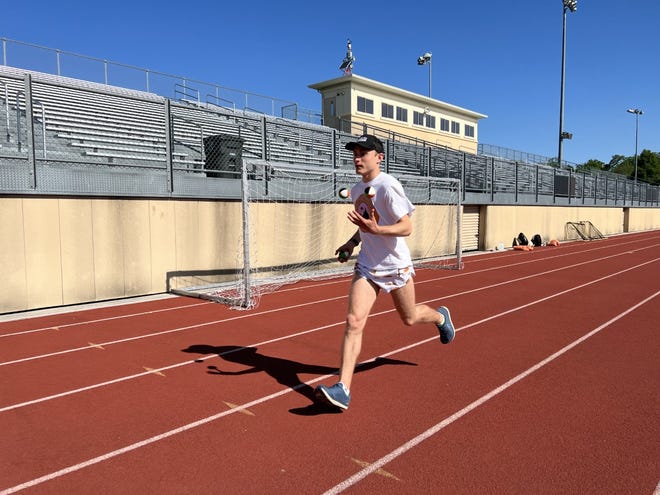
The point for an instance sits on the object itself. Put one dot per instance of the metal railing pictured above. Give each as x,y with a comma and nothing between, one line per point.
6,92
103,141
520,156
20,110
64,63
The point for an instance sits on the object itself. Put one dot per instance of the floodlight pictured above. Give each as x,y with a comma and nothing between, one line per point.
422,61
424,58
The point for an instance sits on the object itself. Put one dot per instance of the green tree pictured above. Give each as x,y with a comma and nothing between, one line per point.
648,167
552,162
618,164
590,165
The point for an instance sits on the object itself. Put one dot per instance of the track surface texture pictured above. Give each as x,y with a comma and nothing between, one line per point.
551,386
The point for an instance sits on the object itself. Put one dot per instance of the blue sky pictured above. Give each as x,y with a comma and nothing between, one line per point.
502,59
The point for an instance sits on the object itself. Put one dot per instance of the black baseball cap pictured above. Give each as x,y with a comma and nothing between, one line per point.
368,142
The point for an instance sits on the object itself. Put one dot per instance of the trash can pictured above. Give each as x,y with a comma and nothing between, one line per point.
224,154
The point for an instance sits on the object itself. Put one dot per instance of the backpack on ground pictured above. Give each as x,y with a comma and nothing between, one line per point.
522,239
537,240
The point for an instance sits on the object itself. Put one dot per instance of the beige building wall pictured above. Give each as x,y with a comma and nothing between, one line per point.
640,219
503,223
340,101
59,251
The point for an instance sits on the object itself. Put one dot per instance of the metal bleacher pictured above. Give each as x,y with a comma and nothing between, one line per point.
81,121
95,138
102,125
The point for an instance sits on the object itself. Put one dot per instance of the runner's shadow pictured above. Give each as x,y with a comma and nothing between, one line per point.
284,371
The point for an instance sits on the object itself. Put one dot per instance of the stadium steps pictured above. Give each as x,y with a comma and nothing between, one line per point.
109,125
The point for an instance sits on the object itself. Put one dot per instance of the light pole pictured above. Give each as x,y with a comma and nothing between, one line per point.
637,113
423,60
572,6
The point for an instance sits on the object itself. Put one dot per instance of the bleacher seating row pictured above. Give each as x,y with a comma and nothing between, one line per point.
91,123
116,125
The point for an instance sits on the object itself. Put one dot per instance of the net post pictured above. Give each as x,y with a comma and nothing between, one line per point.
245,196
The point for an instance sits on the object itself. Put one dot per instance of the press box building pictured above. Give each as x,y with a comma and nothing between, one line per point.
356,99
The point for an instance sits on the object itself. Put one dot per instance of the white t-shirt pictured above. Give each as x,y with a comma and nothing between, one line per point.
383,252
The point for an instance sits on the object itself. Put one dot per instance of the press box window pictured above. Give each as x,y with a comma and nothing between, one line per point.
469,130
455,127
402,114
418,118
365,105
387,111
444,125
430,121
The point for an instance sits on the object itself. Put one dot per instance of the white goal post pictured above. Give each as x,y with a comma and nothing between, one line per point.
293,220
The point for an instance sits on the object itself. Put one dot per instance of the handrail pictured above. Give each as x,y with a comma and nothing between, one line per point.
185,91
109,64
6,107
217,98
18,120
201,133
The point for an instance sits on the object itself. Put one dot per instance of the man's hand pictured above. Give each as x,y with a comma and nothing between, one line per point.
365,224
345,251
402,228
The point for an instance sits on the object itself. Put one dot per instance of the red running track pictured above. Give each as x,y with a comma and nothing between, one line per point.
551,386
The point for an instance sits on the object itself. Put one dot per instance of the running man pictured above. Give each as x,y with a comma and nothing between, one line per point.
384,263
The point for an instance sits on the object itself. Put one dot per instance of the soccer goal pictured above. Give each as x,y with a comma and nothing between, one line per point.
293,220
584,230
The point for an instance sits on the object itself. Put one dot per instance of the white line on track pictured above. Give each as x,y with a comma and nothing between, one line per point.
326,283
347,483
249,315
285,337
100,320
172,330
364,472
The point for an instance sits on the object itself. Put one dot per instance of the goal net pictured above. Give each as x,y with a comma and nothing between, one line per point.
293,220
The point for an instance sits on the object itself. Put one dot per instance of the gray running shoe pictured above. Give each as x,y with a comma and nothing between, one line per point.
335,395
447,331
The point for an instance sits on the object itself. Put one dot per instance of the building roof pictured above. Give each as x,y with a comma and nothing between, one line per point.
365,82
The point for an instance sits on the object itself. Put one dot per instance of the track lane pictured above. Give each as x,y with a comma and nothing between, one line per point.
145,356
236,458
256,382
580,424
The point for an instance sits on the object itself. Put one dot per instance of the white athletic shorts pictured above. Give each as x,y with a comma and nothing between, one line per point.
388,280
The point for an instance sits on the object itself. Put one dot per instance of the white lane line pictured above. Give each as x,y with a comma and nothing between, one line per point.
286,337
324,283
100,320
250,315
364,472
164,332
159,370
360,475
143,443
